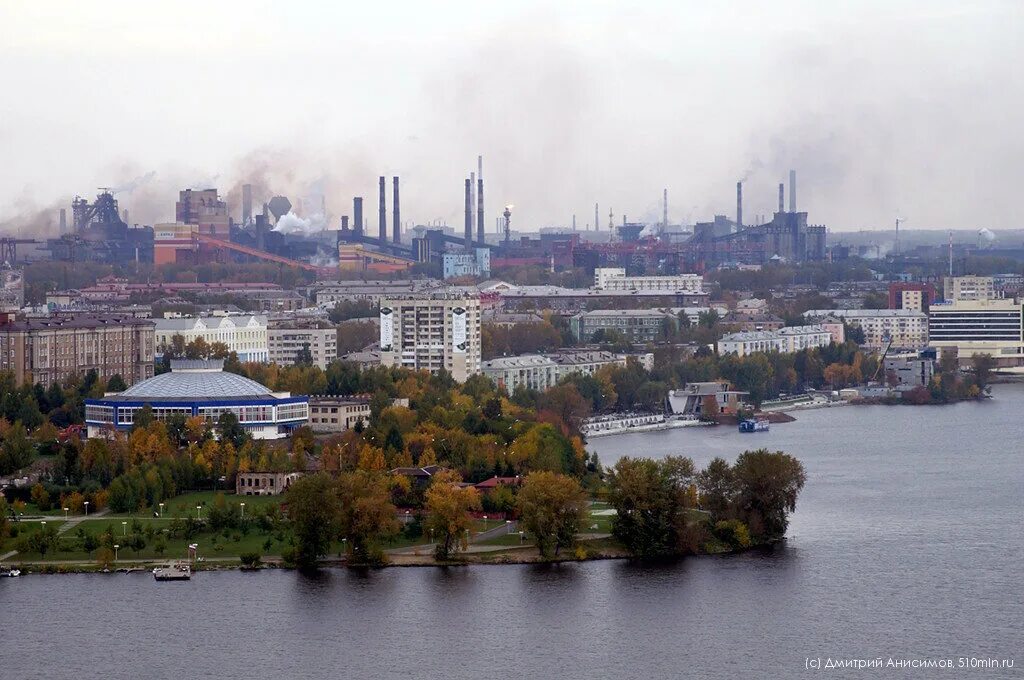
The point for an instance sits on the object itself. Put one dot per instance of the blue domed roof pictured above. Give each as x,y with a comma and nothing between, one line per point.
196,380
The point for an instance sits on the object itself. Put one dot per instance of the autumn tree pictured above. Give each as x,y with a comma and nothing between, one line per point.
552,508
651,498
314,511
767,486
448,506
367,515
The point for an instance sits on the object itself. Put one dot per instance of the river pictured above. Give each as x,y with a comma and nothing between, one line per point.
906,543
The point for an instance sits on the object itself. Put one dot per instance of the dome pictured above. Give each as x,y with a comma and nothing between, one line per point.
196,380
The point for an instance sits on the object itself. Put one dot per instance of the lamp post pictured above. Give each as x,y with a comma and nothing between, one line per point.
485,523
116,546
86,508
124,528
199,512
522,538
66,512
508,527
161,510
243,510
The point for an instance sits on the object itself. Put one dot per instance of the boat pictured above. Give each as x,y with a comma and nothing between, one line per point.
752,425
9,572
176,571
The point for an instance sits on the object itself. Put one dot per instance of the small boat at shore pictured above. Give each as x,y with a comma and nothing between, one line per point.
176,571
754,425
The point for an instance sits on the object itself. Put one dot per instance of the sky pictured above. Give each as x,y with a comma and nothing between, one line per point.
884,109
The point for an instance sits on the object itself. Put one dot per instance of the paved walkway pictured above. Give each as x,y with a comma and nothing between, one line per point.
68,524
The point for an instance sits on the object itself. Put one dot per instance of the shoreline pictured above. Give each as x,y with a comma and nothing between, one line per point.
513,556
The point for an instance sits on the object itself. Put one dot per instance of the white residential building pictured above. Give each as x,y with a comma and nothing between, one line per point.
908,328
543,371
614,278
785,340
286,339
432,332
246,335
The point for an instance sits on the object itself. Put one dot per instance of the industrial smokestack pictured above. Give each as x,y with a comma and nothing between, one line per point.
396,227
739,205
574,221
357,214
782,196
479,210
344,222
597,222
472,198
792,191
246,203
63,220
664,215
382,216
469,214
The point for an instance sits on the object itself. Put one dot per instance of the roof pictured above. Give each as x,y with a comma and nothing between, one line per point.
189,323
196,380
87,321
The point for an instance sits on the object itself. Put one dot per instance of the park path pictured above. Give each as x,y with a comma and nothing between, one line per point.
68,524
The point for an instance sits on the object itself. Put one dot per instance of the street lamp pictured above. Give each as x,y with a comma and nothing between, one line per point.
199,512
508,526
485,523
124,527
116,546
243,510
86,508
66,512
522,537
161,510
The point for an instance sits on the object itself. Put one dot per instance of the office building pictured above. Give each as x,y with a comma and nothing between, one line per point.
432,332
636,325
972,327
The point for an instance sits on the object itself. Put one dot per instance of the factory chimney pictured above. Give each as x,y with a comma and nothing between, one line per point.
664,215
782,196
739,205
382,216
357,214
63,220
469,214
480,210
597,222
344,222
792,191
472,199
246,203
396,227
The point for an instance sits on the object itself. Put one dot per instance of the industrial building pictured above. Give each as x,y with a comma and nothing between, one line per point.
49,351
432,332
203,389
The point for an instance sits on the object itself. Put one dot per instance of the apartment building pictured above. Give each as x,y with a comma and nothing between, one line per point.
968,288
907,328
246,335
431,332
52,350
785,340
287,338
614,278
543,371
972,327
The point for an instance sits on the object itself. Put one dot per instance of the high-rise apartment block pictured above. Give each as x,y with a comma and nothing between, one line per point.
432,332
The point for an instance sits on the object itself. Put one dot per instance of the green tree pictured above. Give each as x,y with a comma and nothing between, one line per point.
651,499
717,488
304,357
16,450
982,365
116,383
230,430
314,511
767,488
552,508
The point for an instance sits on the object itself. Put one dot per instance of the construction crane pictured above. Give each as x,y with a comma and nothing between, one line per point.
881,362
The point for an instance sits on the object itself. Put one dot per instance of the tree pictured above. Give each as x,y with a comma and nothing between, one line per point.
314,510
40,497
116,383
43,540
230,430
716,485
16,450
552,507
304,357
367,514
982,365
768,485
651,498
854,334
448,506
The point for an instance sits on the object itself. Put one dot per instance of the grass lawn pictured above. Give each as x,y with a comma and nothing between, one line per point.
185,504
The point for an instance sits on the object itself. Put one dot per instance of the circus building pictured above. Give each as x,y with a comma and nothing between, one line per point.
204,389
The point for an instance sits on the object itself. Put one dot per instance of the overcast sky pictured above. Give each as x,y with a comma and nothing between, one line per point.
883,108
